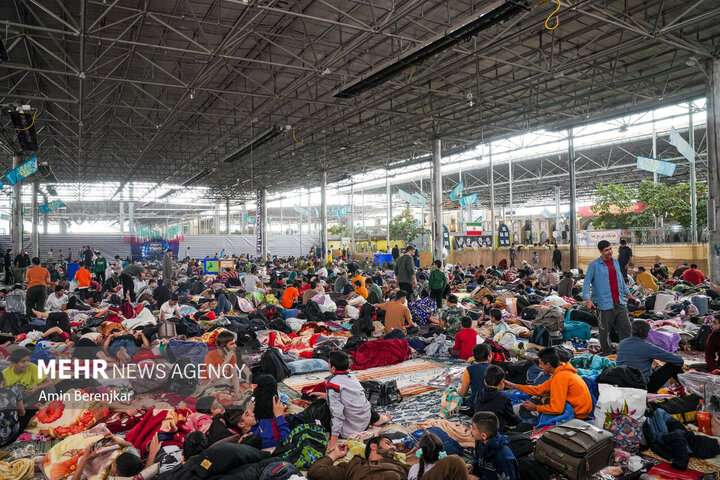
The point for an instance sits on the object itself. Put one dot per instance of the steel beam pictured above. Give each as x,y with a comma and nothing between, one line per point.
437,201
713,141
573,209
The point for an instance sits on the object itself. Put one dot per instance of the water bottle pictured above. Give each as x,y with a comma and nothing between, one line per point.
704,420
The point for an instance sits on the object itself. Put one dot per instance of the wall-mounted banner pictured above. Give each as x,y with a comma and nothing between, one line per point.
457,191
472,241
23,171
446,238
503,236
677,141
51,206
656,166
302,210
469,200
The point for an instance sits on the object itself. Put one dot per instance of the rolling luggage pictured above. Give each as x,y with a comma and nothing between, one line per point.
661,300
701,302
576,449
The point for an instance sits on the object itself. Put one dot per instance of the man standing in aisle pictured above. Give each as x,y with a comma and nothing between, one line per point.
100,267
37,282
167,268
624,256
405,271
609,295
557,258
395,253
8,267
21,264
513,252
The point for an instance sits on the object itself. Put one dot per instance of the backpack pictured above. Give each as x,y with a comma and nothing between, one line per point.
15,323
363,325
499,353
271,363
700,340
323,351
15,302
520,444
382,394
313,312
183,384
553,319
178,349
280,471
421,310
191,326
529,312
167,330
354,342
683,408
303,446
540,336
280,325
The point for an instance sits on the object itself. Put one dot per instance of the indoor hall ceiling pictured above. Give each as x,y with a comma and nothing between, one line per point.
166,90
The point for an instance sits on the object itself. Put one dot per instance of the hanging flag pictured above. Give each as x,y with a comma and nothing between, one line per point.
343,210
457,191
23,171
474,228
420,199
406,197
302,210
51,206
469,200
677,141
249,220
317,212
656,166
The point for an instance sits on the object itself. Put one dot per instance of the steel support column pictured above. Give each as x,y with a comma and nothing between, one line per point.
693,180
227,215
262,220
510,192
35,221
573,212
388,202
492,203
243,222
323,218
45,223
122,218
713,161
437,239
557,210
352,219
16,226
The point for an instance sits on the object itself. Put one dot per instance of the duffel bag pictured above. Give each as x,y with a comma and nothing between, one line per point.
573,329
421,310
575,449
683,408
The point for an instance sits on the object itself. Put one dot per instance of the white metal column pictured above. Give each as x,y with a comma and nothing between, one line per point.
573,212
352,218
492,203
693,180
323,217
227,215
437,202
16,226
388,202
713,160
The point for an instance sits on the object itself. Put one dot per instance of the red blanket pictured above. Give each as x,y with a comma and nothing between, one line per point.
379,353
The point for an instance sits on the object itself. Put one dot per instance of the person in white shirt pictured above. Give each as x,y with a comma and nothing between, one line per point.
58,301
170,308
250,281
322,272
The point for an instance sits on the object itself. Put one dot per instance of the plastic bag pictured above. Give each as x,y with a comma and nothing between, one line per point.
352,312
694,382
327,304
613,398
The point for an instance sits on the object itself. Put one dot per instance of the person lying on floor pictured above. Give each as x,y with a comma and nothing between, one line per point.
27,375
493,458
124,344
379,462
491,399
564,385
127,464
350,410
240,422
57,325
636,351
223,355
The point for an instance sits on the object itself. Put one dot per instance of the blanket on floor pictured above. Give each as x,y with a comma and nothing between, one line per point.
379,353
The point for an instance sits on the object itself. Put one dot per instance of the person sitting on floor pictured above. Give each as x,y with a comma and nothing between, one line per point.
636,351
465,340
493,458
434,463
397,314
491,399
379,462
360,289
647,280
11,410
272,431
450,317
564,385
565,287
473,377
21,372
223,355
374,292
350,409
57,301
712,346
499,325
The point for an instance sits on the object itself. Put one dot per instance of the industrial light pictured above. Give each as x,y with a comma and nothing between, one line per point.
494,14
23,119
273,132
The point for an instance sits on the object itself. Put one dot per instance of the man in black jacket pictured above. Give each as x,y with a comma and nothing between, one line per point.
21,264
8,267
557,258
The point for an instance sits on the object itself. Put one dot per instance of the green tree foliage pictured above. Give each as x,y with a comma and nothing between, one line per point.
669,202
340,229
405,227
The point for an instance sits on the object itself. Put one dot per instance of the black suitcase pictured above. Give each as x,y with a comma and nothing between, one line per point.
576,449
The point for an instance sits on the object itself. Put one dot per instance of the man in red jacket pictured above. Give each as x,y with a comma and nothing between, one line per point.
712,347
693,275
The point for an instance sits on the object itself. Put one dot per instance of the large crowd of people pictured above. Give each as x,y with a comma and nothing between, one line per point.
524,349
